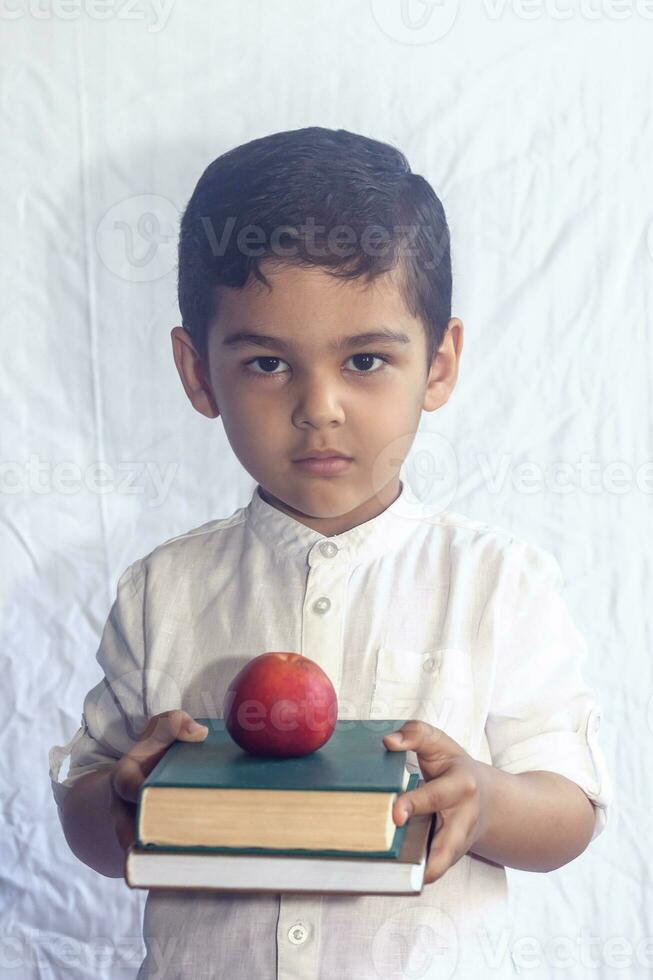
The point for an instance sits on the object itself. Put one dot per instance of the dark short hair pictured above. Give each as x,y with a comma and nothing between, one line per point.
259,201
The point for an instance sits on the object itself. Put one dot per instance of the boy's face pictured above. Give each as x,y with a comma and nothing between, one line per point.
281,399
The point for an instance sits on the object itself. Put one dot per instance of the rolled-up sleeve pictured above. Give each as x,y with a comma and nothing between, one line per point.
113,711
542,714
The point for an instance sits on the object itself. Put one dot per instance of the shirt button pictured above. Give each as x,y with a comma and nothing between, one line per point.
298,933
328,549
429,665
322,605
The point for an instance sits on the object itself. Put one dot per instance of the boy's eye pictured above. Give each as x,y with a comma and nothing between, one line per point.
365,360
267,361
362,359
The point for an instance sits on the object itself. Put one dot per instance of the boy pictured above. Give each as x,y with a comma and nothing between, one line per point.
304,343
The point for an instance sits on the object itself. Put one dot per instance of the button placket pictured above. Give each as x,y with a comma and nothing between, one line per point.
322,614
298,931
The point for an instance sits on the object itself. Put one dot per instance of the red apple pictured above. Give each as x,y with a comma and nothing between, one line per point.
280,704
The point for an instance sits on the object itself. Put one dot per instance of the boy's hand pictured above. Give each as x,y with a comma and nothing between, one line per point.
454,789
130,771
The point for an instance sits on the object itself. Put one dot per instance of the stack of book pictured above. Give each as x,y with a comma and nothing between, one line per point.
213,816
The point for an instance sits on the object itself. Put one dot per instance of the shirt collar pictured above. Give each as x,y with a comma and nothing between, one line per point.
282,533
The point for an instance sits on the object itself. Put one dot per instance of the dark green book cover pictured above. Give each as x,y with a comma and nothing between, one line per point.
354,759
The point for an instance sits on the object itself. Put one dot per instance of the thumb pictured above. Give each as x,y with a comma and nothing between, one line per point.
191,730
162,730
167,726
396,740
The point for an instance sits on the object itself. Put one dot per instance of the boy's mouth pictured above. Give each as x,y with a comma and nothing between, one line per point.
324,465
322,454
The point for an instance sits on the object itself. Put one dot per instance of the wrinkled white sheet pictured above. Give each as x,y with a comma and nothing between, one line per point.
536,131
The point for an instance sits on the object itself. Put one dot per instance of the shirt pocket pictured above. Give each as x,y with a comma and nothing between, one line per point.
434,685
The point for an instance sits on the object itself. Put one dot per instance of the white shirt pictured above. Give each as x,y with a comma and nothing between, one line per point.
412,615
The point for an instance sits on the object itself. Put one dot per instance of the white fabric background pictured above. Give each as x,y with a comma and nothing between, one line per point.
535,128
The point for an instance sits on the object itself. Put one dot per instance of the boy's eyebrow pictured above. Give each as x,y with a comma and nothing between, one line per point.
242,338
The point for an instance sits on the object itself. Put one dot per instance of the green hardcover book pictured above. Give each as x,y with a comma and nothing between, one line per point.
212,796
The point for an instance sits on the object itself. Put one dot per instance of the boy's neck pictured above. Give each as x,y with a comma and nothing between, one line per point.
329,526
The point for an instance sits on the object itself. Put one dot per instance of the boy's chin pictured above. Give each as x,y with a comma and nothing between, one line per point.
321,498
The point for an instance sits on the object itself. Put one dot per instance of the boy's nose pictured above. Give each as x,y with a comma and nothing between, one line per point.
319,404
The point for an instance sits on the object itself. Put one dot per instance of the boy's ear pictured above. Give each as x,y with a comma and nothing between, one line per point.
192,373
443,373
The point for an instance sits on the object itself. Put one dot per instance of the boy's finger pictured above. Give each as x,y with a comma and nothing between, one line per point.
447,847
432,796
162,730
428,741
433,747
160,733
